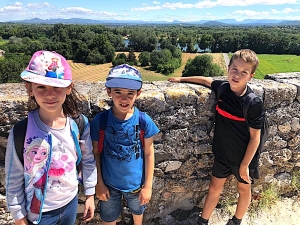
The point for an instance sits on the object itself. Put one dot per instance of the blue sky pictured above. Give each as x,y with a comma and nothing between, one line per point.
184,10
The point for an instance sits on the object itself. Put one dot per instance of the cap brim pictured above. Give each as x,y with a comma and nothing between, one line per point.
50,81
123,83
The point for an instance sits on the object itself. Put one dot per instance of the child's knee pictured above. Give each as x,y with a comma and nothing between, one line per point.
244,188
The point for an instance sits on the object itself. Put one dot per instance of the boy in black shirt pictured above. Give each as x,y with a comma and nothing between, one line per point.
235,143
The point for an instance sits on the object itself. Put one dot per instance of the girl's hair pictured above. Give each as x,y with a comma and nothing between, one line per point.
246,55
73,105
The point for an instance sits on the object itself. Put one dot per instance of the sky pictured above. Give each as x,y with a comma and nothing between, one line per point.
184,10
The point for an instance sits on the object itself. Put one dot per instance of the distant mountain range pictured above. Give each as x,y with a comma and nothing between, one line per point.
223,22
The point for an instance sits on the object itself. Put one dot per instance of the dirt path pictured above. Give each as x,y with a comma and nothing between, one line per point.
286,211
226,60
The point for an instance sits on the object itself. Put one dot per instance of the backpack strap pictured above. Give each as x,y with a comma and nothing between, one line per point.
102,125
265,128
19,133
248,100
221,89
103,117
81,123
142,126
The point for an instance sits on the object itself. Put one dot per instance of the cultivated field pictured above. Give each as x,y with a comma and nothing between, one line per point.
269,64
93,73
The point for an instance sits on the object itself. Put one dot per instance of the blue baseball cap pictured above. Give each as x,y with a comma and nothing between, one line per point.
124,76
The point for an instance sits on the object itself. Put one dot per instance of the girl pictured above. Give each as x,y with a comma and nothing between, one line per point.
44,188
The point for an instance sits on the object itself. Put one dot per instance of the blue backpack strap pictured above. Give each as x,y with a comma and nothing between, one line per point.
142,127
103,117
81,122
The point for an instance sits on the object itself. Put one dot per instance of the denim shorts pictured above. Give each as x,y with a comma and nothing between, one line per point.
65,215
111,209
222,170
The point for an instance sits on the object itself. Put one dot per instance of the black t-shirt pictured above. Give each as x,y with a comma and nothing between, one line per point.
231,136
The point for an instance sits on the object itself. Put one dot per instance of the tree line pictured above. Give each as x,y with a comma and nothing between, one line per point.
160,47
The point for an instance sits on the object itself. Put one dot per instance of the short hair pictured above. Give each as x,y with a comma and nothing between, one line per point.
248,56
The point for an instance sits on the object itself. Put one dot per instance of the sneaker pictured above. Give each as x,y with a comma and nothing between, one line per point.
230,222
201,223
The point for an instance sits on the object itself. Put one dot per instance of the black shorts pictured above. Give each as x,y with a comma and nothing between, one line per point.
222,170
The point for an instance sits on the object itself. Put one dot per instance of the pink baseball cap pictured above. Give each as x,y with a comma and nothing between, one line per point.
48,68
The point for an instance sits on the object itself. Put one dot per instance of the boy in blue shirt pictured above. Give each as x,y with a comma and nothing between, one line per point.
126,164
235,142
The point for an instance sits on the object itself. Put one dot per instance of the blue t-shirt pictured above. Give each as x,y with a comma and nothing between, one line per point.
122,158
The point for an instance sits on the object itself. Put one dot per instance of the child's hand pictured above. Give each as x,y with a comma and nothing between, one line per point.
145,195
89,208
22,221
102,192
244,174
174,79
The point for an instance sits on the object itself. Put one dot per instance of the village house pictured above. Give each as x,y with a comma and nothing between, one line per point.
2,52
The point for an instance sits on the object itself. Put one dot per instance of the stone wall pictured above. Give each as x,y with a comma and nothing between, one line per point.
183,157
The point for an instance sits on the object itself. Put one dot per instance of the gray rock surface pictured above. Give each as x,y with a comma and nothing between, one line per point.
183,148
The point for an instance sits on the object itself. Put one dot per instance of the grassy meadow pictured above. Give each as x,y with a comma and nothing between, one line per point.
269,64
2,42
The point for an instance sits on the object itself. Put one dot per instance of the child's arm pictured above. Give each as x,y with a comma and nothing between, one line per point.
102,191
89,208
250,152
14,177
22,221
89,173
146,192
195,79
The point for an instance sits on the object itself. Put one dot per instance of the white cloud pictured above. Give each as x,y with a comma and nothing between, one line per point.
275,11
289,10
147,8
285,11
41,5
178,5
185,10
212,3
253,14
75,10
17,7
107,14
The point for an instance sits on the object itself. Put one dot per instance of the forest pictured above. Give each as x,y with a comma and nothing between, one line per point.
160,46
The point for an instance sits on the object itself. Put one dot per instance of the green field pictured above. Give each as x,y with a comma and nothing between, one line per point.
2,42
269,64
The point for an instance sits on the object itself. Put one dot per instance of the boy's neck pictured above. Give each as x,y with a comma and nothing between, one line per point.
122,115
239,92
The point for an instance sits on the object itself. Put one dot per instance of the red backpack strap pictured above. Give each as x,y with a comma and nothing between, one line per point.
142,126
102,125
